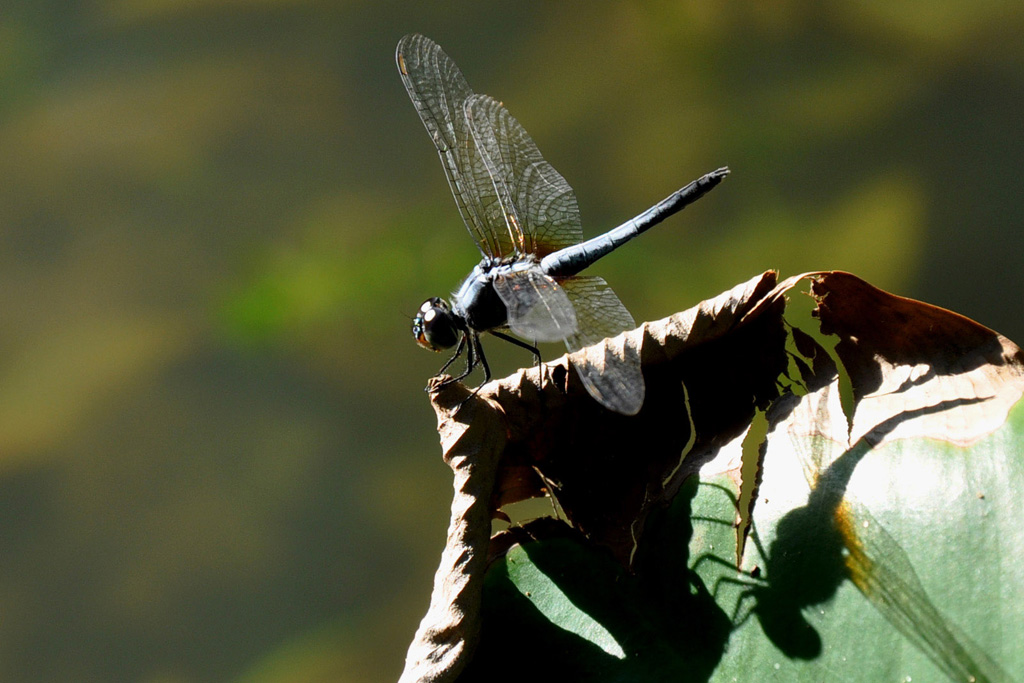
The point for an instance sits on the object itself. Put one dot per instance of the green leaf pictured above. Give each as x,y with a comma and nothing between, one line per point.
911,574
554,604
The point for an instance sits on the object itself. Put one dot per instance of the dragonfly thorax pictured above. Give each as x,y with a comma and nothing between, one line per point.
435,327
477,303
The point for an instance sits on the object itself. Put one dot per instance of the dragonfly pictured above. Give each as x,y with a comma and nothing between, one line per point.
525,220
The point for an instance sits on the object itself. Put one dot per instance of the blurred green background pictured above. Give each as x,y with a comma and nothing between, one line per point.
216,217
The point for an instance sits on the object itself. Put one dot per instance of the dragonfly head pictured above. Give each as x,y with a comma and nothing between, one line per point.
434,326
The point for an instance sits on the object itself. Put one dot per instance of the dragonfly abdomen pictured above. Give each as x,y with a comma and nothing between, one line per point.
572,260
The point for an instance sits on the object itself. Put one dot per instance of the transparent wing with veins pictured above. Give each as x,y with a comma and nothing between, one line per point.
439,91
536,211
537,205
612,375
538,308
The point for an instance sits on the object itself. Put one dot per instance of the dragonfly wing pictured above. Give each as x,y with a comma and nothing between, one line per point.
612,375
545,216
598,309
538,308
439,92
484,125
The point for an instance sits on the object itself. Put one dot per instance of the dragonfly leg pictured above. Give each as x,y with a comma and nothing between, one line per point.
532,349
476,353
482,360
458,352
471,362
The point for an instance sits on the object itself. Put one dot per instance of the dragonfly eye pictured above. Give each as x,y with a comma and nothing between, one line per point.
433,327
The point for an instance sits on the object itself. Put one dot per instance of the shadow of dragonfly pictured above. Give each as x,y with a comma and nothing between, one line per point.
834,537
